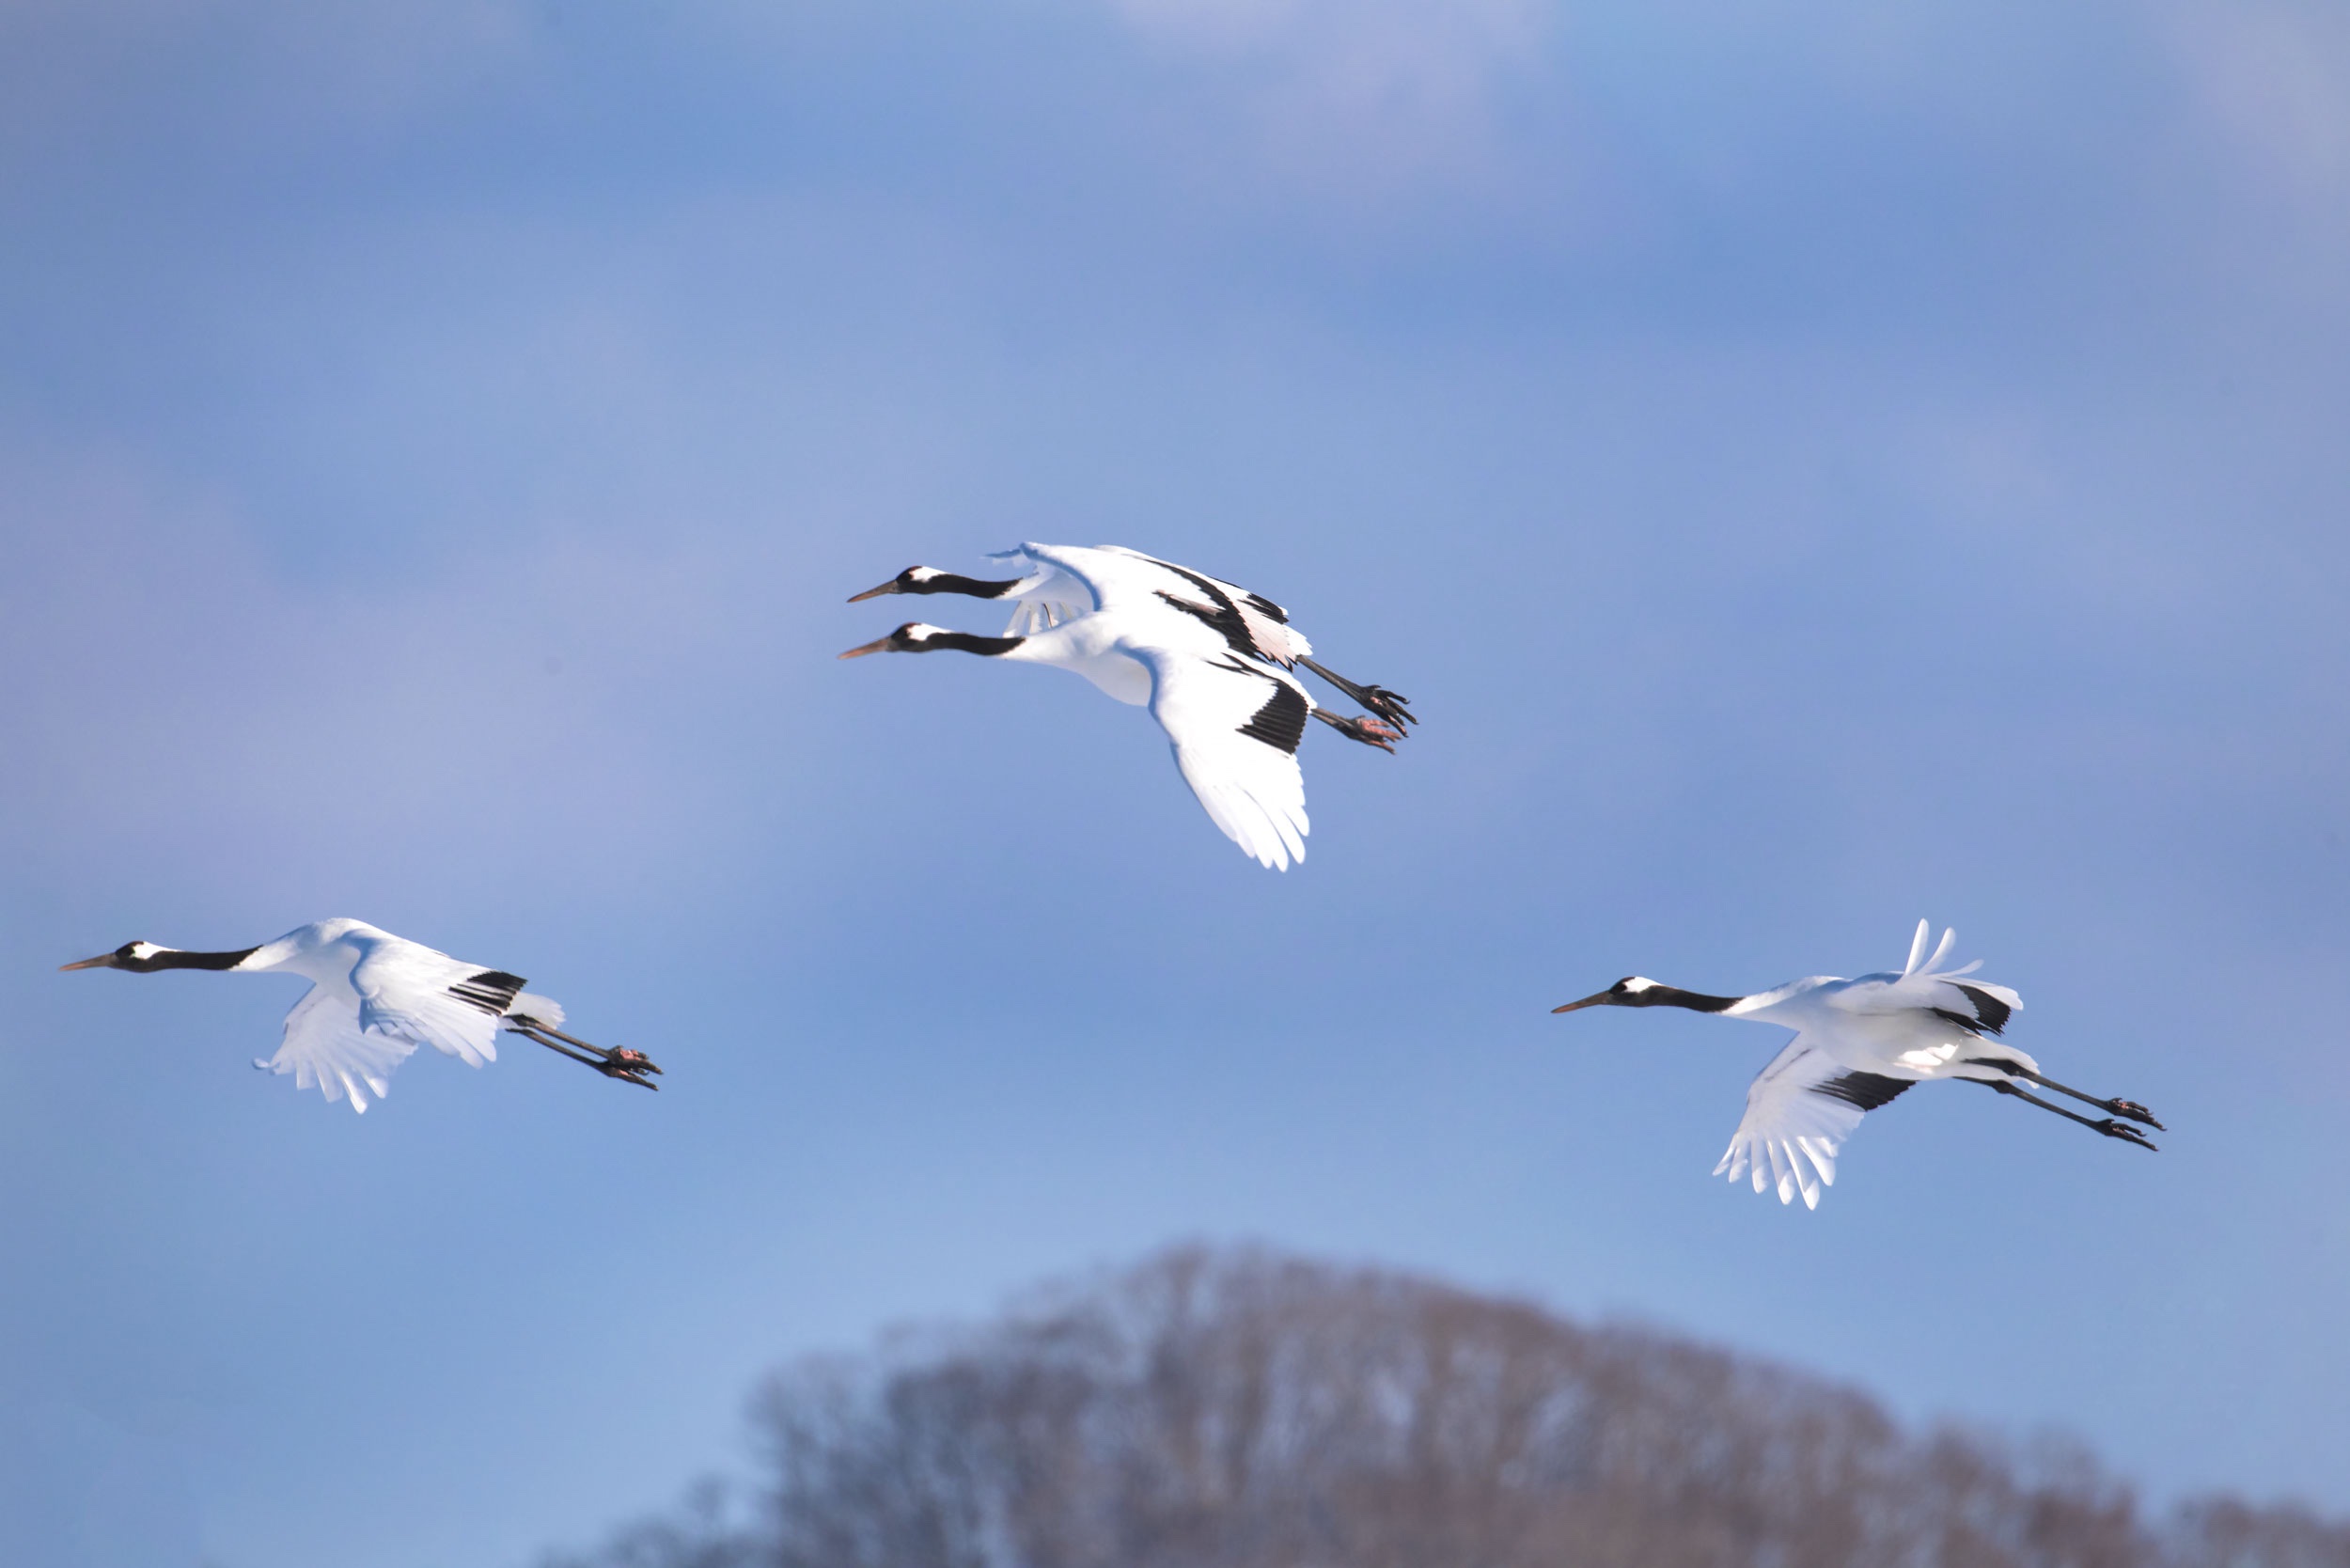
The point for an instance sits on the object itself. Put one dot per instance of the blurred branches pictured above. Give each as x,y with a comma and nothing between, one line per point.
1213,1409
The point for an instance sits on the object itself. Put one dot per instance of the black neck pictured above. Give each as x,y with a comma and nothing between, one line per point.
966,642
172,960
978,588
1696,1001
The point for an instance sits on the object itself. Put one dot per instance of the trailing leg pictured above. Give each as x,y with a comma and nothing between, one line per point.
2122,1130
616,1061
1377,699
2130,1109
1370,731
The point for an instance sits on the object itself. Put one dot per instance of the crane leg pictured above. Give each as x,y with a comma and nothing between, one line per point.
2130,1109
617,1061
2111,1128
1370,731
1377,699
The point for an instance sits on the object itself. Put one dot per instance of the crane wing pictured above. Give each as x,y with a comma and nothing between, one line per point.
1265,624
1799,1110
1976,1006
412,991
346,1038
1235,725
327,1048
1117,578
1111,578
1047,594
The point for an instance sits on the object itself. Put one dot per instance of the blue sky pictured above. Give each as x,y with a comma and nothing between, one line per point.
1812,467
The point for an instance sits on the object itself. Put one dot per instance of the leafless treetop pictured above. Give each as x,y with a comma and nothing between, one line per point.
1239,1409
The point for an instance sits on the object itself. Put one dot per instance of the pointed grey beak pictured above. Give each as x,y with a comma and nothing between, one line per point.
1602,999
889,587
879,645
103,961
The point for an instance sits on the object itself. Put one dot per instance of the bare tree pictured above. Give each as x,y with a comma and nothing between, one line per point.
1240,1409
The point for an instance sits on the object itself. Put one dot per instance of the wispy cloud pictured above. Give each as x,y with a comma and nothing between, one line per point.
1365,97
71,71
2276,75
183,696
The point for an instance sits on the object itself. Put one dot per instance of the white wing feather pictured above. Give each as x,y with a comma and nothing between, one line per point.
324,1047
404,990
1272,633
1917,946
539,1010
1201,693
1922,983
1046,596
1079,579
1790,1127
347,1037
1253,789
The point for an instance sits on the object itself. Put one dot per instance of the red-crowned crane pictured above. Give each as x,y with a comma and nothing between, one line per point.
375,997
1859,1043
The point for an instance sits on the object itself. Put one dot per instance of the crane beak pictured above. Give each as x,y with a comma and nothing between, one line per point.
103,961
889,587
1602,999
879,645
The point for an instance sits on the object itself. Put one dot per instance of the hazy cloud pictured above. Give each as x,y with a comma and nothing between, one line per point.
72,72
1367,96
438,440
2276,76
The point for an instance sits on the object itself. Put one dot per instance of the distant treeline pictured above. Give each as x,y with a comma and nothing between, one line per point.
1241,1410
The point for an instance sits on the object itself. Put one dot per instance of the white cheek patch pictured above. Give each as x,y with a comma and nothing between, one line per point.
144,950
1638,983
924,574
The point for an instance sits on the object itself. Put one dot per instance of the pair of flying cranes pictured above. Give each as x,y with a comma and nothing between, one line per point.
1216,665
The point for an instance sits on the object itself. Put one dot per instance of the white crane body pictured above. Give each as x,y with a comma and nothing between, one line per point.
1093,648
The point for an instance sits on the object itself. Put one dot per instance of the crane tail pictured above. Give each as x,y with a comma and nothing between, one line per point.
544,1008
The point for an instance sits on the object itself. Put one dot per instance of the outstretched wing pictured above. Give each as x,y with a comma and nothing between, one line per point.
1262,624
326,1047
1108,579
411,991
1046,594
1119,579
1975,1005
401,995
1799,1112
1235,725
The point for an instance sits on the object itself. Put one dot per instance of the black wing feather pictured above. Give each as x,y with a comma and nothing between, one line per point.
1989,1009
1220,616
493,991
1866,1089
1281,722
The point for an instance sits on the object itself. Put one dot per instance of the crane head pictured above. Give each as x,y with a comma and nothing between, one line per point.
912,637
914,579
131,955
1631,991
916,638
1639,991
